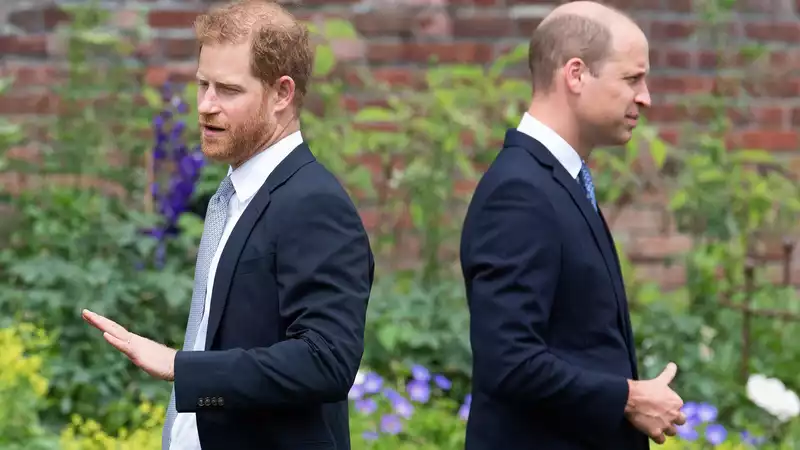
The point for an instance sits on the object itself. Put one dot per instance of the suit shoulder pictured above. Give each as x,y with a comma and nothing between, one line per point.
513,165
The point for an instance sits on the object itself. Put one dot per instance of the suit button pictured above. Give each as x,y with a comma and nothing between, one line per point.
199,402
213,401
221,401
208,401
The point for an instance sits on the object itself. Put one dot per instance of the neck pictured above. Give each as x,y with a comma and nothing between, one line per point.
557,116
281,131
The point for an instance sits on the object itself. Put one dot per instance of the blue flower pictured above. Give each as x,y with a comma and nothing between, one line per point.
401,406
356,392
391,424
716,434
463,412
420,373
370,435
443,383
372,383
366,405
687,432
690,411
752,440
706,413
419,391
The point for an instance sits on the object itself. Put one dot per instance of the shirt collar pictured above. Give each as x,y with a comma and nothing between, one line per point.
249,177
562,151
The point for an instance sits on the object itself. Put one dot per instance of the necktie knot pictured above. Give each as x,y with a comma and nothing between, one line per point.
225,191
585,180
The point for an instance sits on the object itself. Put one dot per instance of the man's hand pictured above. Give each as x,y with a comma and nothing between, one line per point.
653,407
156,359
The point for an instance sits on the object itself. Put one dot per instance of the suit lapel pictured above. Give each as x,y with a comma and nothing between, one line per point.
595,221
298,158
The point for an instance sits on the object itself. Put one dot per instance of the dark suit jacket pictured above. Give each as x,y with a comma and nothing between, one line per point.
286,327
550,332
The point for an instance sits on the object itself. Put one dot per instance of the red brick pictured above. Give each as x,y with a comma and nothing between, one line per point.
658,247
666,84
172,19
669,277
177,48
40,103
661,30
37,20
23,45
773,31
676,59
486,26
29,75
399,22
775,140
451,52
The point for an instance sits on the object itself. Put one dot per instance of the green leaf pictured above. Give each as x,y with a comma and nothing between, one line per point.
658,151
339,29
324,60
152,96
374,114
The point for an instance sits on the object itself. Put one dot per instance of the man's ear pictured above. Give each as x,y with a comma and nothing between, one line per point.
283,93
574,75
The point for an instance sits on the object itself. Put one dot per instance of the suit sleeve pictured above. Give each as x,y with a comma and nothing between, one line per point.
324,273
515,256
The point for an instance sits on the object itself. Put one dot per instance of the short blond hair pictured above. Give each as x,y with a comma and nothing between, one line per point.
279,43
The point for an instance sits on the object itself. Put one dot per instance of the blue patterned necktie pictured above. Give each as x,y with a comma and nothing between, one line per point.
585,180
216,217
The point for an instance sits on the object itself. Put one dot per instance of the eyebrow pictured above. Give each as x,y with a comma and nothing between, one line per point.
219,83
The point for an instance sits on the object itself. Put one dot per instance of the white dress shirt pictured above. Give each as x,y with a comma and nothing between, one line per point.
247,180
563,152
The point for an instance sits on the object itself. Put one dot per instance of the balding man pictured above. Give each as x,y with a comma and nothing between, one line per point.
284,271
554,361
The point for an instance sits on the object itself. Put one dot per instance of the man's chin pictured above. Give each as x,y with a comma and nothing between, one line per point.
216,153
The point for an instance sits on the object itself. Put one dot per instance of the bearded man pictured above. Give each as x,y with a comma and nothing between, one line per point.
284,272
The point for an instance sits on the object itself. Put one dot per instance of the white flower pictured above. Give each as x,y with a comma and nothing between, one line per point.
771,395
359,378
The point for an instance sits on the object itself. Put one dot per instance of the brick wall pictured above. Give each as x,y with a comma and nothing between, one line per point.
400,36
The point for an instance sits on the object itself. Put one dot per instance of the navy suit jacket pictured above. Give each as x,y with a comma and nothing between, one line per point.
550,332
286,326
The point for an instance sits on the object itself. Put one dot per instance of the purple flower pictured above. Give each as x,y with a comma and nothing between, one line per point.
372,383
420,373
463,412
716,434
366,405
391,424
706,413
690,410
370,435
687,432
419,391
442,381
752,440
468,399
356,392
402,406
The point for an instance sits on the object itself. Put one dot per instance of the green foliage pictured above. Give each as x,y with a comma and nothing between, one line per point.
411,324
77,244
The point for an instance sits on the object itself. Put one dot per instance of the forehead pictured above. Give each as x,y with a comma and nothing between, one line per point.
225,63
630,50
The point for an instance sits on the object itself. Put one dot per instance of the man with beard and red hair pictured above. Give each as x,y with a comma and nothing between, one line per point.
276,326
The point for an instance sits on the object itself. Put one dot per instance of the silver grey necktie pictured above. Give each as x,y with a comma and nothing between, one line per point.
216,217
